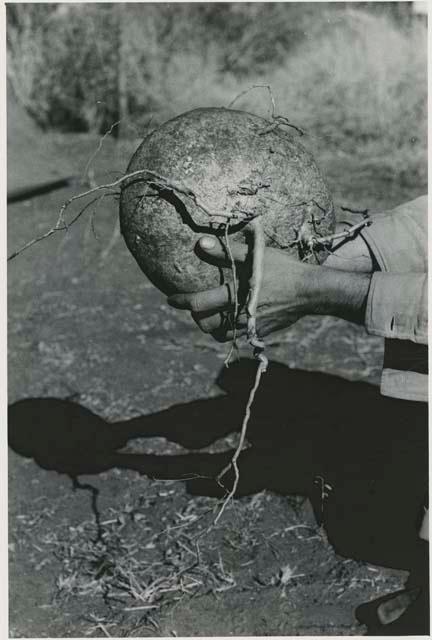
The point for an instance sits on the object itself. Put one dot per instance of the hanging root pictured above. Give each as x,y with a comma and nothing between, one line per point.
233,461
255,284
234,347
258,345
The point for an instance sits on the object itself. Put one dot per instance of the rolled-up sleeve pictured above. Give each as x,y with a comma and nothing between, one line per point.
398,238
397,299
397,306
397,302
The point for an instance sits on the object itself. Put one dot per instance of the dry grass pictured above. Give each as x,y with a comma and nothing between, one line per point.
149,554
136,570
137,561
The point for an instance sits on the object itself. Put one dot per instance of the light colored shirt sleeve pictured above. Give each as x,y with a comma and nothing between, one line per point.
398,238
397,306
397,299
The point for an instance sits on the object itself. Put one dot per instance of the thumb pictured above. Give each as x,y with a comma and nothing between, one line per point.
214,250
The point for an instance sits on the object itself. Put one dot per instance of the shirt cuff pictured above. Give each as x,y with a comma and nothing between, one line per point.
405,385
398,239
397,306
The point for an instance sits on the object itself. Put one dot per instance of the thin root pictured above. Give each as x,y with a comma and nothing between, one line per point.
257,86
99,147
234,347
158,181
258,346
275,121
233,462
349,233
255,283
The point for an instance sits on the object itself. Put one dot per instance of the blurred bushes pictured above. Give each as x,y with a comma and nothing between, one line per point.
360,78
62,64
356,78
361,84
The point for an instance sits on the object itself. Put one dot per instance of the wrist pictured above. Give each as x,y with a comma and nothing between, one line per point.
338,293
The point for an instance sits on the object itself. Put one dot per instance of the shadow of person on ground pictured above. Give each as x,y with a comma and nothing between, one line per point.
306,429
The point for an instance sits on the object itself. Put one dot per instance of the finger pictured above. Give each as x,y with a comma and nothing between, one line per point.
218,299
225,331
227,335
208,323
214,251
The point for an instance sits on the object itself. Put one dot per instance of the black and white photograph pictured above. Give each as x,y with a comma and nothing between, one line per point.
217,332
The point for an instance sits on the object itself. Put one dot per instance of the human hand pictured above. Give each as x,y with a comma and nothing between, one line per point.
284,294
289,290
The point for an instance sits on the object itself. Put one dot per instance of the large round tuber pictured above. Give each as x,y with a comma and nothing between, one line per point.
210,167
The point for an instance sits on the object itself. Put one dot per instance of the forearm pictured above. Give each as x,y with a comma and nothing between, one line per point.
338,293
341,287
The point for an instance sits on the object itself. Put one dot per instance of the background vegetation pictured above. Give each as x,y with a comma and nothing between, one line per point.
353,74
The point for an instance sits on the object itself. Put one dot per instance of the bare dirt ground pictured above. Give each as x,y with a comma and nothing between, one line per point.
104,537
